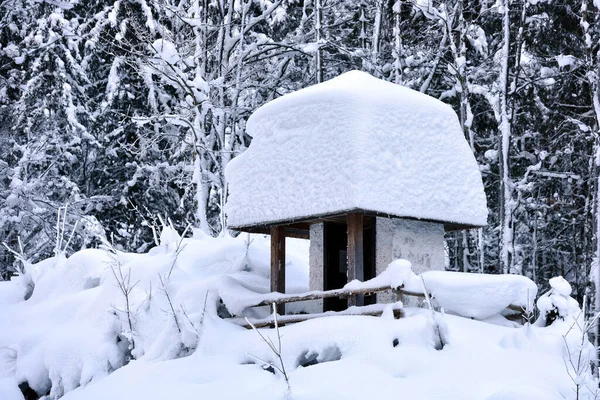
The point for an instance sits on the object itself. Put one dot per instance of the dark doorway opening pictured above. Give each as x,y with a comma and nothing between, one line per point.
335,262
369,251
335,243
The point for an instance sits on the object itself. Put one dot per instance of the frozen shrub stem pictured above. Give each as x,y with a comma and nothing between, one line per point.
172,312
197,330
577,362
124,283
527,312
125,286
248,242
60,231
22,268
178,249
438,330
164,280
276,349
19,255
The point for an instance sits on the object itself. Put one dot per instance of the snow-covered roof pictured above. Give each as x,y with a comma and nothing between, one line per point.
355,143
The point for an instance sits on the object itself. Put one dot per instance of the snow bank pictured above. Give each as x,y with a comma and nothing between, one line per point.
355,142
75,338
396,275
9,389
350,358
75,328
478,296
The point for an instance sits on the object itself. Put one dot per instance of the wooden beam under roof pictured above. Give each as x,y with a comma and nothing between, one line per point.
299,227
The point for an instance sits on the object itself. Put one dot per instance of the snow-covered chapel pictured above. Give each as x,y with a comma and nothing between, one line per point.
369,171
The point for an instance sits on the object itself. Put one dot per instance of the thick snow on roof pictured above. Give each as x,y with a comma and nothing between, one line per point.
355,142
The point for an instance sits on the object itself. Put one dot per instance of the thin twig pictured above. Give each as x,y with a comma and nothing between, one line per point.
275,349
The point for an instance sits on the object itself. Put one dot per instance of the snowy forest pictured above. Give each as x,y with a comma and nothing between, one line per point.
116,113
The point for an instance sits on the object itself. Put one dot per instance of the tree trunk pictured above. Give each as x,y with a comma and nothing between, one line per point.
318,54
506,237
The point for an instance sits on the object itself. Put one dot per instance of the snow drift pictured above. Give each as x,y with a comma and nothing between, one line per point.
106,324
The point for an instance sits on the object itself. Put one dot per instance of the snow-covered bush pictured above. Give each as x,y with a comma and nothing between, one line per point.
557,303
561,316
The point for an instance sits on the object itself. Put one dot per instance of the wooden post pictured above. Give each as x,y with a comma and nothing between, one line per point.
278,263
355,255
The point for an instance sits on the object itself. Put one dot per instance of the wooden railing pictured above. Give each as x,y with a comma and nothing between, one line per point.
279,300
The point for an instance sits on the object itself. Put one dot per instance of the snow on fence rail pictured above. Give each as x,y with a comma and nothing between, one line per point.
370,310
477,296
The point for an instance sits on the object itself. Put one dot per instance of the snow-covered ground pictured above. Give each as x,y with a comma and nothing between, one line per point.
103,324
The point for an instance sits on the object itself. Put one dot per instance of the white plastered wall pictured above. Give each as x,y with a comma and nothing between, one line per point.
316,280
421,243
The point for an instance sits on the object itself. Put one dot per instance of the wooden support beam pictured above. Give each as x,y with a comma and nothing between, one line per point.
297,233
355,254
278,263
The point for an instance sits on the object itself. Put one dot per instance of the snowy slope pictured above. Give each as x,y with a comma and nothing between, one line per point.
72,337
357,360
74,329
355,142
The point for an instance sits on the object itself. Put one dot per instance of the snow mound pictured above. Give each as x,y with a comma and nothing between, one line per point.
478,296
557,303
560,286
395,275
78,327
355,142
352,357
9,390
522,393
168,339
